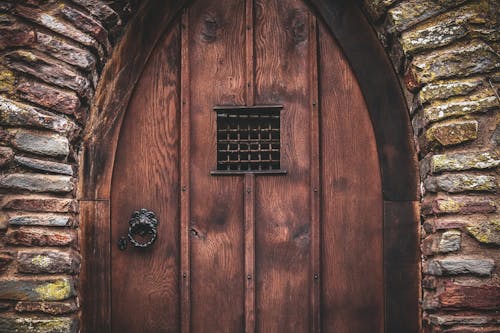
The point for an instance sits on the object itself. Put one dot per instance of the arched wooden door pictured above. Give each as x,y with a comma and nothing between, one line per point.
248,136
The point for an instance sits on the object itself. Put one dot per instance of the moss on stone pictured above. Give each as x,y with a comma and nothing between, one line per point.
7,80
448,88
56,290
487,232
452,132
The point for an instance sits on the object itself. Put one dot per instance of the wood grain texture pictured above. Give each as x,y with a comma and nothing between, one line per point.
250,253
95,248
352,239
145,286
282,202
217,67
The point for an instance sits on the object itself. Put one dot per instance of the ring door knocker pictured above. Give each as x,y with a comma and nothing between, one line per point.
143,223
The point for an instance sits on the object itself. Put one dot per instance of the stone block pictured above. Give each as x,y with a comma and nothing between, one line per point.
462,59
14,34
449,241
454,183
452,132
464,161
18,114
40,204
448,320
45,220
57,289
59,100
50,71
48,261
101,11
6,156
486,231
457,205
483,297
5,260
41,143
38,325
36,182
44,165
40,237
52,308
458,265
449,88
408,13
480,102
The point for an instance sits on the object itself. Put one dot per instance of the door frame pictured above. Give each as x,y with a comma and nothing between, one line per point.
393,133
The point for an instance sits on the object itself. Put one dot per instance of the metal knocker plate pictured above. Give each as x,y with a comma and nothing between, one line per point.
142,230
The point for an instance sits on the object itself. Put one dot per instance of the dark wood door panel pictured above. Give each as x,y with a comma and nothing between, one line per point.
145,293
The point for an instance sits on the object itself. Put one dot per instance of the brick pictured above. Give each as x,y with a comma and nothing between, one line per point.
42,165
41,143
16,35
50,71
456,297
457,205
44,220
63,101
66,52
5,260
480,102
453,132
463,329
36,182
459,265
454,183
38,325
52,308
18,114
57,289
40,237
40,204
6,156
464,161
48,261
449,88
463,59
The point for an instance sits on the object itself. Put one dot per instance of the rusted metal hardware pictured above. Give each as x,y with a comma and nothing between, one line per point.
143,223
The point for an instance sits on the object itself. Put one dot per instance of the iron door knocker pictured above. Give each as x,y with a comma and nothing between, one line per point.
143,223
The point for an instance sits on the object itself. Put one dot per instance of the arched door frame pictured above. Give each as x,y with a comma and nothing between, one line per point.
388,113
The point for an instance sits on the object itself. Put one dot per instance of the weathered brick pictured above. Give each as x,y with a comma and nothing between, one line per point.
101,11
484,297
66,52
41,143
449,88
43,165
453,61
448,320
448,241
50,71
464,329
36,182
48,261
56,99
39,204
40,237
457,204
18,289
482,101
15,35
432,225
464,161
486,231
38,325
454,183
6,156
18,114
443,29
45,220
5,259
459,265
52,308
452,132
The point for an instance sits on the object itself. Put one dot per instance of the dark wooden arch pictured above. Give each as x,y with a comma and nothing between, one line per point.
390,119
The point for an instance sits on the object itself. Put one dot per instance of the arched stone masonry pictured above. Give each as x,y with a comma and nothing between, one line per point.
53,53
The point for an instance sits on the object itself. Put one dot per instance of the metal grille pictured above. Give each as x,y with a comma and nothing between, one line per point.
248,139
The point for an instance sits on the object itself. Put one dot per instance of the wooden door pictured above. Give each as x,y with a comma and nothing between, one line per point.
281,236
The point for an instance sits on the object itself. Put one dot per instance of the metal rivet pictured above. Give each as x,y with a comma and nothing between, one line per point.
316,276
315,189
184,189
184,275
249,277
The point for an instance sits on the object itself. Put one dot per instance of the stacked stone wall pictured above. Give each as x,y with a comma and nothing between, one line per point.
52,54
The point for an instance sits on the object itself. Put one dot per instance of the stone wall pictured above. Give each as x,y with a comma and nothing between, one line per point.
52,53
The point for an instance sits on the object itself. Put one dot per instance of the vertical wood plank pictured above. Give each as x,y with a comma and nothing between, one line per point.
249,48
283,229
250,253
218,68
185,176
315,273
145,282
96,273
401,266
352,235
